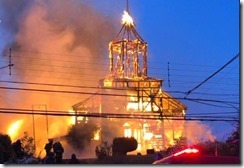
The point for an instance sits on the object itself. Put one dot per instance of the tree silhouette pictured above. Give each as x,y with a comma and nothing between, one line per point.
81,134
6,151
27,144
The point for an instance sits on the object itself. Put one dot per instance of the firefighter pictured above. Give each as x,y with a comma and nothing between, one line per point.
48,147
58,150
49,159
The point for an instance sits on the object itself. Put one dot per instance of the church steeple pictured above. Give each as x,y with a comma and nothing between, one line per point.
128,51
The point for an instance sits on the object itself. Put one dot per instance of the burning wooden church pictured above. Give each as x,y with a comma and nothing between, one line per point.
130,100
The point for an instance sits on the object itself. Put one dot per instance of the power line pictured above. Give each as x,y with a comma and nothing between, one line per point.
63,75
97,87
122,95
92,93
93,87
187,93
111,115
214,105
214,113
72,73
60,75
78,56
67,79
9,64
51,53
100,65
202,101
72,86
105,64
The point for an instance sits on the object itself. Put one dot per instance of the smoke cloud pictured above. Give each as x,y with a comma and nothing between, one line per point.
197,132
62,42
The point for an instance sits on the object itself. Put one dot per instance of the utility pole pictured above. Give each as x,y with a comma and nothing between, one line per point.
9,64
33,124
33,120
127,5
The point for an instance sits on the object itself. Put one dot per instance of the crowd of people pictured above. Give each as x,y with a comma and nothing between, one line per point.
54,154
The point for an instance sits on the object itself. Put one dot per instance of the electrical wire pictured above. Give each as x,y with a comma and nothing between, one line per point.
111,115
97,87
180,70
212,75
79,56
105,94
194,100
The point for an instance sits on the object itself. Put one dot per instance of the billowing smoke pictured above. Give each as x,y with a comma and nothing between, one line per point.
60,42
197,132
194,131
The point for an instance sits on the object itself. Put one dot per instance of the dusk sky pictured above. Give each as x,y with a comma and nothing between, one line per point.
188,41
196,38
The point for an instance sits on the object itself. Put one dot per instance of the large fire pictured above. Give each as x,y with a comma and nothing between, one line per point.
13,129
72,119
146,106
127,19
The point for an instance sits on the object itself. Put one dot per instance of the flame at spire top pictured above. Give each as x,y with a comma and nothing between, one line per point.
127,19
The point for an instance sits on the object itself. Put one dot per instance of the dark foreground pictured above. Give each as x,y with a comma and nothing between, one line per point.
145,160
130,159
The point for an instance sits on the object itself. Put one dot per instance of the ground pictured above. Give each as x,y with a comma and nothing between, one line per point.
129,159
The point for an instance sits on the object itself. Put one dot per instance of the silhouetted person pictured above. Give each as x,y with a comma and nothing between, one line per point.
18,150
97,151
74,160
48,146
58,150
50,159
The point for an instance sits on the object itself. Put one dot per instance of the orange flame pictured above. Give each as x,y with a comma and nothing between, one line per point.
127,19
72,119
13,129
140,105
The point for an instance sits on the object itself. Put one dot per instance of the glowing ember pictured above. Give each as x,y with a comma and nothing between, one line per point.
145,106
72,119
13,129
148,136
127,132
127,19
97,135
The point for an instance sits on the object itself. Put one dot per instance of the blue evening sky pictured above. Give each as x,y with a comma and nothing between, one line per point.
195,38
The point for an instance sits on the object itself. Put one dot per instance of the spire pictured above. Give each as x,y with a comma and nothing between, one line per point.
128,30
127,6
128,51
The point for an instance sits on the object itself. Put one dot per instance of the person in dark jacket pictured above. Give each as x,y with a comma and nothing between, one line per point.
58,150
48,147
49,159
